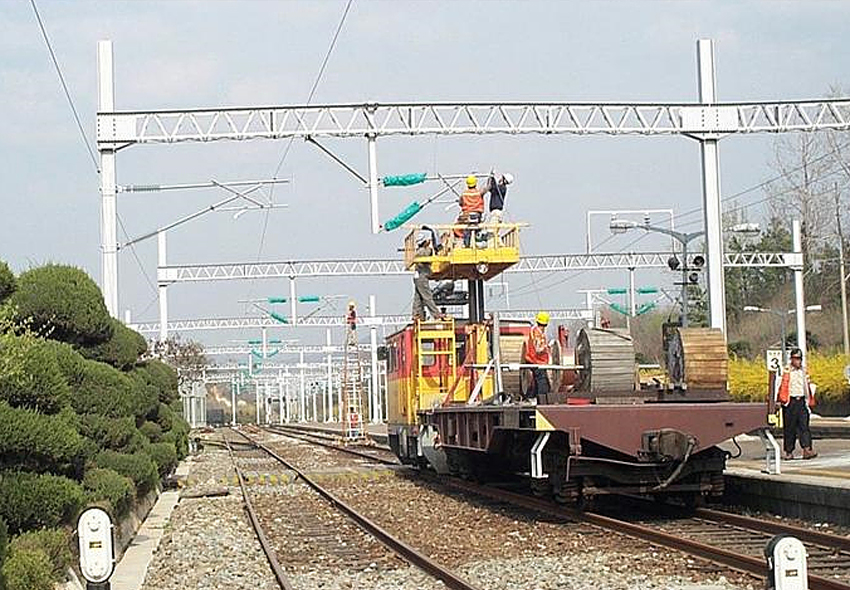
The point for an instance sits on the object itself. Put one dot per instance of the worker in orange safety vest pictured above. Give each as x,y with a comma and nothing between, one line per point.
796,396
537,353
471,208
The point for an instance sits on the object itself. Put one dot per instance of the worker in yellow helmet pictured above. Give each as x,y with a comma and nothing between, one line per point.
471,208
537,353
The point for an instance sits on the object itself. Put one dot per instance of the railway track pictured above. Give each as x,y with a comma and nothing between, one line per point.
722,538
314,534
379,454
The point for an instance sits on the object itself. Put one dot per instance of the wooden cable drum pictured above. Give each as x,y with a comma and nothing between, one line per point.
512,350
607,358
697,358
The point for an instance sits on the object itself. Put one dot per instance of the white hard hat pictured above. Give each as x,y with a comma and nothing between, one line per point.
509,178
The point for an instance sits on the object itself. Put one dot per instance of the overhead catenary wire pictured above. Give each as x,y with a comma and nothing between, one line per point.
288,147
80,128
67,92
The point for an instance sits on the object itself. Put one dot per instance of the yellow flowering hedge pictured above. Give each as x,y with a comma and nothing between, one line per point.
748,379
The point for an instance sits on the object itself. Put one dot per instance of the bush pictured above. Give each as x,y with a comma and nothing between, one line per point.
70,362
29,500
28,570
30,376
164,454
65,301
36,442
4,540
160,376
139,467
748,379
180,440
7,281
122,350
54,544
106,485
102,389
152,431
118,434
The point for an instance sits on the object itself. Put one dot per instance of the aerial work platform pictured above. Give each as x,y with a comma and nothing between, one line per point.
492,249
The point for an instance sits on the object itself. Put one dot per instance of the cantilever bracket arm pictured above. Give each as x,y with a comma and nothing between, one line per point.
337,159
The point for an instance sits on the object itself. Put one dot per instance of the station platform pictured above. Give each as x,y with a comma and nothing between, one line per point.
816,489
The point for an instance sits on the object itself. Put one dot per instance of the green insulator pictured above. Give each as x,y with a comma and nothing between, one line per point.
278,317
618,308
644,308
277,300
647,290
616,291
309,299
404,179
403,217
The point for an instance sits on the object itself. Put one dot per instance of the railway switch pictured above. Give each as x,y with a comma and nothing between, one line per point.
786,562
97,556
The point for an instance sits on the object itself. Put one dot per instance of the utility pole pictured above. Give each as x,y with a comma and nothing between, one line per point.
844,328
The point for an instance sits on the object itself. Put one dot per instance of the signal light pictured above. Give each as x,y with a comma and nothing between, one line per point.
693,277
673,263
699,261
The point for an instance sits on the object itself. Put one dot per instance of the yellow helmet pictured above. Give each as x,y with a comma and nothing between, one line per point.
471,181
543,318
351,303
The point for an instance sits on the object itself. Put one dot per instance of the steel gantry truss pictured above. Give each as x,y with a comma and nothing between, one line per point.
706,121
205,324
120,129
392,267
276,350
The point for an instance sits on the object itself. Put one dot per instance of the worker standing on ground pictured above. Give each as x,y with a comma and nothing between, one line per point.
423,298
351,321
796,396
537,353
471,208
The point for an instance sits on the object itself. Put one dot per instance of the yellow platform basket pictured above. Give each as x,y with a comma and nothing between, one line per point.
492,249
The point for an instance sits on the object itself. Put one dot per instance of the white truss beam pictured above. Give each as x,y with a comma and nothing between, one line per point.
123,128
241,323
391,267
274,351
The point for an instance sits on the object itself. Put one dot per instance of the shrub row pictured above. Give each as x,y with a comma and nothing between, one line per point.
37,559
101,389
30,376
36,442
29,500
65,303
105,486
139,467
164,455
122,350
118,434
159,376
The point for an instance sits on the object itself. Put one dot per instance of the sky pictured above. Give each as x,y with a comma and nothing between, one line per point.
191,54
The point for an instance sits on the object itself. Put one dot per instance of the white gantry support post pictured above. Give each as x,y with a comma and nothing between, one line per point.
162,288
257,399
330,386
280,396
375,405
293,302
265,341
373,182
711,192
108,189
301,392
799,296
233,385
288,398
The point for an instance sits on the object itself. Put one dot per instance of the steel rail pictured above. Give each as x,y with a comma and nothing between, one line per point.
305,436
742,563
411,555
815,537
277,570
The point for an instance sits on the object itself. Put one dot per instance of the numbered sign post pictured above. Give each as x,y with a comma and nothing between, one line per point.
773,358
